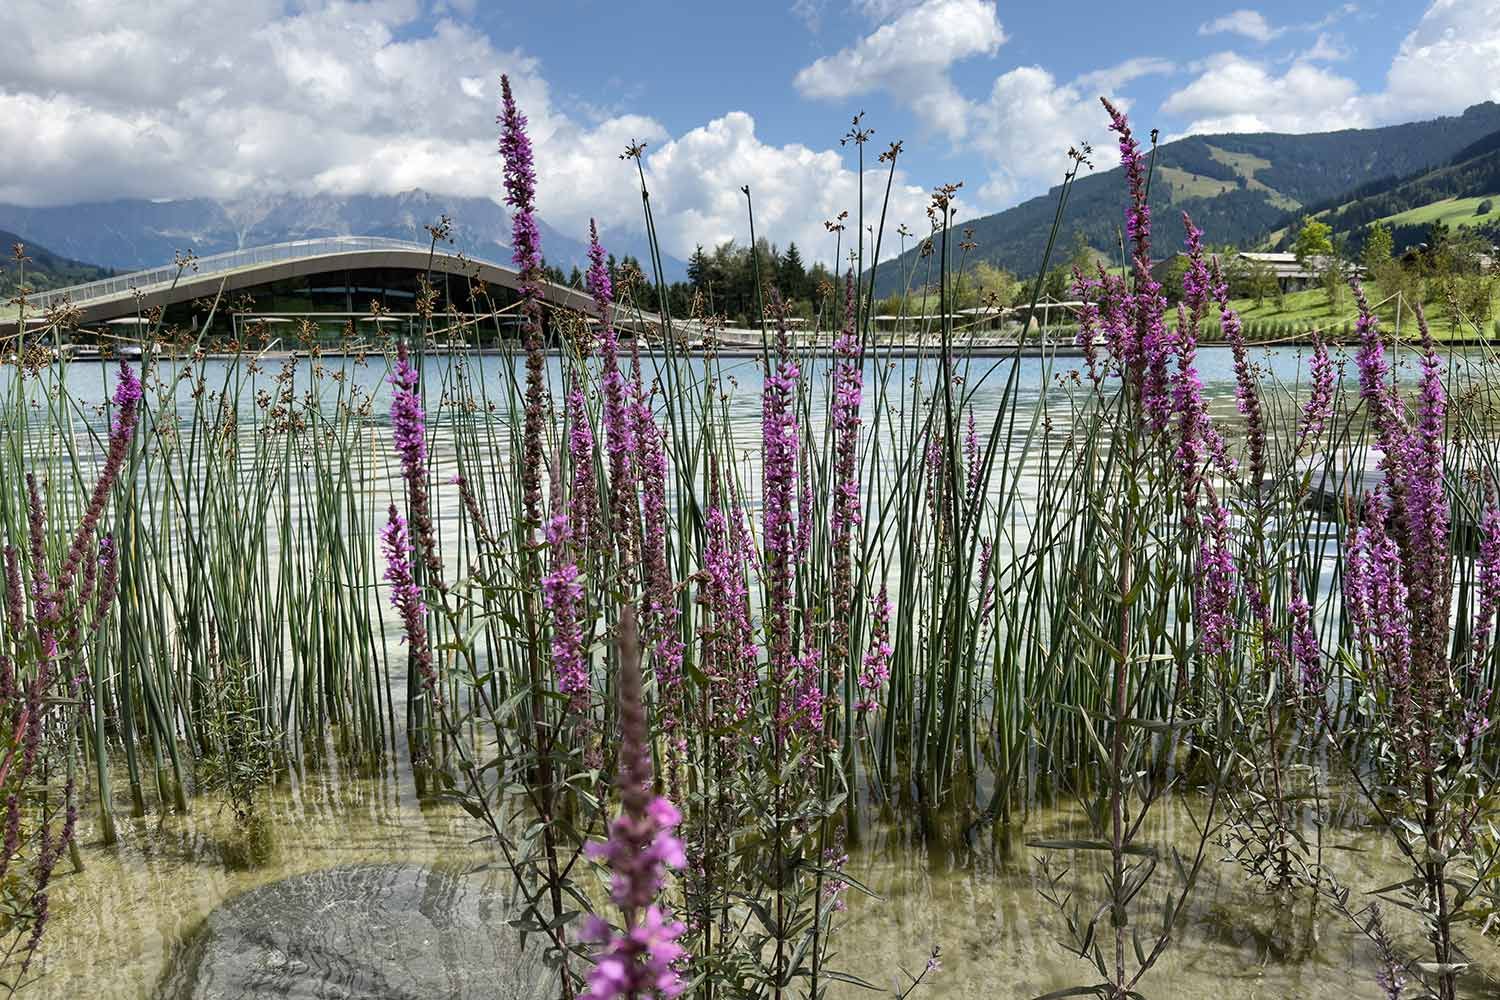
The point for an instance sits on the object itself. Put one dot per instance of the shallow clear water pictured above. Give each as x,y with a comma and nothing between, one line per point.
118,924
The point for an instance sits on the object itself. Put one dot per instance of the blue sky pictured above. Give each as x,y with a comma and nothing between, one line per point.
114,98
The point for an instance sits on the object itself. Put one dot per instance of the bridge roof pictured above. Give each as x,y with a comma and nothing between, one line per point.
117,297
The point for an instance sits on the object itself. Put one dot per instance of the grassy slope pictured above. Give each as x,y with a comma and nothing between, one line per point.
1310,309
1452,211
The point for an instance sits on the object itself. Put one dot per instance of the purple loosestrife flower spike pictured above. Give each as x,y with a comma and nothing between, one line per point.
127,404
877,664
1376,601
1145,341
848,387
780,442
1086,290
1318,409
109,580
1197,439
640,960
1215,586
619,427
971,460
562,595
526,254
731,650
1378,394
1246,391
406,598
661,613
1484,618
41,580
409,435
1305,649
14,609
583,501
1427,520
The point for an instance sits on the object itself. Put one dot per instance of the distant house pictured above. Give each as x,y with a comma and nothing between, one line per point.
1290,274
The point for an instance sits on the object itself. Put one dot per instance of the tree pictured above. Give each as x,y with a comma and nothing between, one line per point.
1171,284
992,285
1314,242
1378,248
792,273
697,269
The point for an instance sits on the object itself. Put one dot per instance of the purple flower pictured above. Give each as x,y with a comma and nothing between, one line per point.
1086,290
1377,392
848,386
1319,406
583,501
661,613
971,460
1305,649
1198,441
562,595
1145,344
729,641
406,598
1215,586
409,435
641,959
780,443
619,427
1484,618
1246,391
877,663
526,254
1426,516
1375,600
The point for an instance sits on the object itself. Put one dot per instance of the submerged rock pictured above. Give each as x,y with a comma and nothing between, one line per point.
367,932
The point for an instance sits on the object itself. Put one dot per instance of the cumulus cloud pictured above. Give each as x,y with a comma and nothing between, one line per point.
1446,62
1030,121
1443,65
1326,48
243,98
1236,94
699,176
1112,78
1252,24
909,58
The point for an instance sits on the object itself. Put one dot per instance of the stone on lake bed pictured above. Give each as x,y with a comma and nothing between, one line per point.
364,932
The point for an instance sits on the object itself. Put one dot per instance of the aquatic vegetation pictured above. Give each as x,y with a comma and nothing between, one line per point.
651,610
52,615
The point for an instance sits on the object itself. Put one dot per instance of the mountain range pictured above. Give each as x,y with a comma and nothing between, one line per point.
1463,191
42,269
1238,188
131,234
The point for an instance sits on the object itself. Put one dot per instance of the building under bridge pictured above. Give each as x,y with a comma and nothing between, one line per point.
327,290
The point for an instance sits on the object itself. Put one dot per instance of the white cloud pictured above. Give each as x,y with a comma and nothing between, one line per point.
909,58
696,179
1447,62
1112,78
1030,120
1325,48
1235,94
1251,24
358,97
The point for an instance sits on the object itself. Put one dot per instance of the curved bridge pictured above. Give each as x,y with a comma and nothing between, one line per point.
205,277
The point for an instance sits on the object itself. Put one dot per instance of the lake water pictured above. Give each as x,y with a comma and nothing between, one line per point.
118,925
